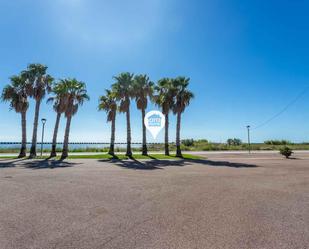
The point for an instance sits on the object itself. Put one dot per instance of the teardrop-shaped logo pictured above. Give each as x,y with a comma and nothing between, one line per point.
154,122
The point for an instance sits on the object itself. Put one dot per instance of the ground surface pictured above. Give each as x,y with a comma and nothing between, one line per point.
227,201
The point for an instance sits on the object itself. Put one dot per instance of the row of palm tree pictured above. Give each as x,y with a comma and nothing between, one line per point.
36,83
171,95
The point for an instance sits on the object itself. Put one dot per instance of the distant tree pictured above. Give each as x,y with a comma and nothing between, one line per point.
15,94
202,141
234,141
59,101
187,142
108,103
182,99
38,85
286,151
143,89
123,89
230,141
75,96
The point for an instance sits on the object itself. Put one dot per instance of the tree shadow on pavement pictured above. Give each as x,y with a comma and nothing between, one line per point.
9,163
48,164
222,163
146,164
159,164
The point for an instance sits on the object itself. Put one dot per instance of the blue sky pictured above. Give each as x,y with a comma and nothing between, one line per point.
246,61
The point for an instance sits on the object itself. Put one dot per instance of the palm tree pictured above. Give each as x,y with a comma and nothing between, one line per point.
59,106
182,100
38,84
15,93
143,88
108,103
124,92
165,99
75,96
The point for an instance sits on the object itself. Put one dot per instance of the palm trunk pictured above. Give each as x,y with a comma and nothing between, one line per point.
178,150
112,144
144,150
166,147
54,144
129,151
23,148
65,149
35,129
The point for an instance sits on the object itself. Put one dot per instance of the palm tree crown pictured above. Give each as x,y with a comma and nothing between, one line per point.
165,96
15,93
123,90
75,95
142,88
38,81
108,103
182,95
58,100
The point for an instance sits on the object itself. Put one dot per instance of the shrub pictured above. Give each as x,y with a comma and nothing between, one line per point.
286,151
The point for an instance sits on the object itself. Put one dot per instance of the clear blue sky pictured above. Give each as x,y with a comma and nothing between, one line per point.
246,60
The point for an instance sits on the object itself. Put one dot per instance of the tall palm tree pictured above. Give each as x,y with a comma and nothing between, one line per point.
182,99
15,93
38,85
143,88
165,99
59,106
75,96
124,92
108,103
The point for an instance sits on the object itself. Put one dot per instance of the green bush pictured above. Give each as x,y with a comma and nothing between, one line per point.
286,151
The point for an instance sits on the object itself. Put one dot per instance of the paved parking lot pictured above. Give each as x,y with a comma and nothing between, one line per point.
227,201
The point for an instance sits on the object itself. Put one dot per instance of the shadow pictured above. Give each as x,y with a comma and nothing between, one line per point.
154,163
115,157
222,163
48,164
9,163
151,157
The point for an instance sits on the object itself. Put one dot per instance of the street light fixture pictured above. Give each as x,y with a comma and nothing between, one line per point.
43,122
249,145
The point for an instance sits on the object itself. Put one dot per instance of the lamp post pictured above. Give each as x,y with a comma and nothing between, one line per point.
43,122
249,145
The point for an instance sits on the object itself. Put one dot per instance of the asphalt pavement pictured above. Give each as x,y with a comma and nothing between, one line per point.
230,200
